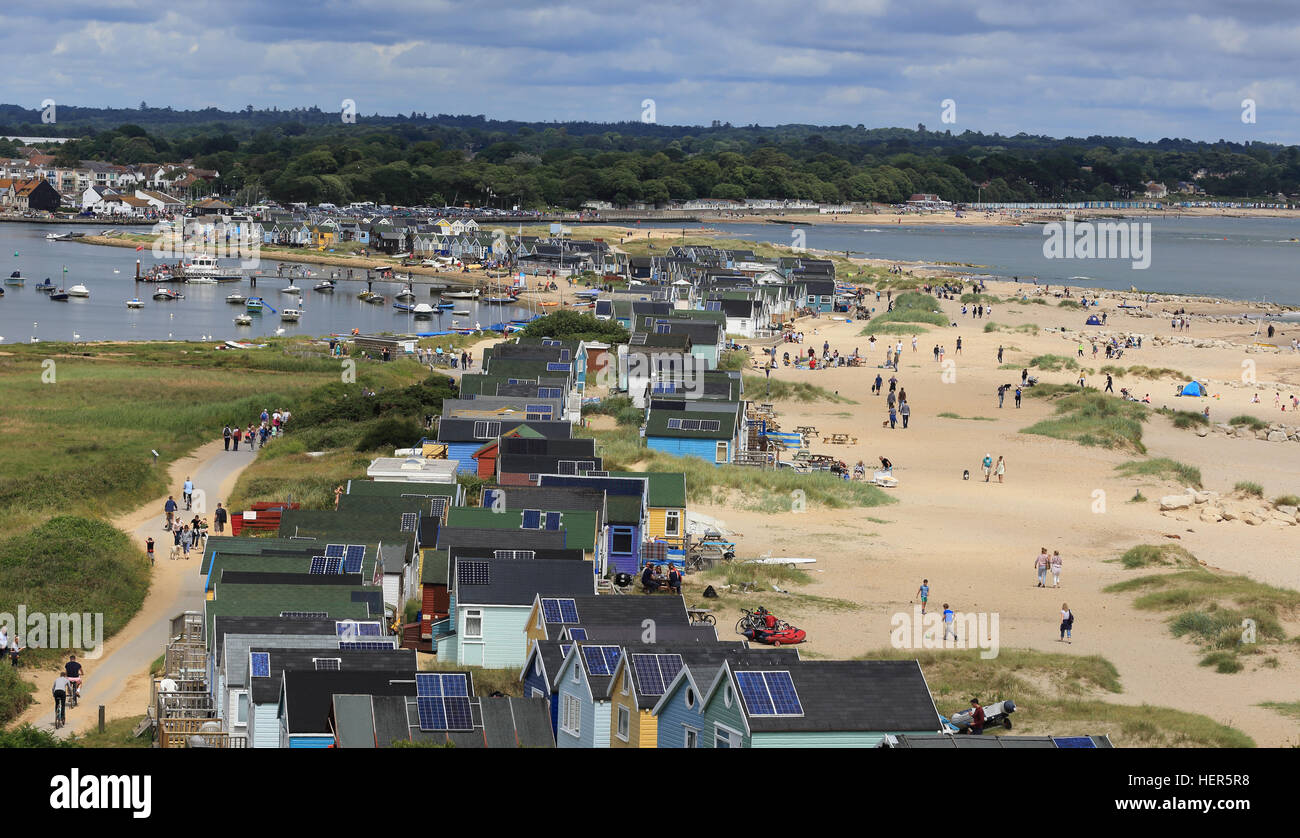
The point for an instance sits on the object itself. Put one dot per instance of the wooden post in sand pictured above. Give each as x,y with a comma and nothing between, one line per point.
101,718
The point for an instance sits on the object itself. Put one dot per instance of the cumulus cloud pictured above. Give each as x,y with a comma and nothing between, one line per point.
1152,69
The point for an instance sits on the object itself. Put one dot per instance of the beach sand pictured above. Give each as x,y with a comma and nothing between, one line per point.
976,541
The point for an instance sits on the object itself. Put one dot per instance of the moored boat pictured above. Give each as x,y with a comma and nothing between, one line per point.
15,278
243,320
471,294
326,287
291,289
78,291
423,310
254,304
291,315
59,296
45,286
236,298
167,294
404,295
135,302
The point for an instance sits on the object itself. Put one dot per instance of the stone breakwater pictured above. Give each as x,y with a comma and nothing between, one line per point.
1213,508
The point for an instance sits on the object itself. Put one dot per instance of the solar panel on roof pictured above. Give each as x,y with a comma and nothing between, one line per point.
326,664
333,565
357,551
335,550
428,683
576,634
769,694
564,649
261,664
458,713
409,521
455,684
352,565
568,611
551,610
433,715
472,573
366,645
317,564
710,424
304,615
595,658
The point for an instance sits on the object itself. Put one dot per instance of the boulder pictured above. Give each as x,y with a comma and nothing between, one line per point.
1276,436
1252,519
1288,510
1210,515
1175,502
1283,518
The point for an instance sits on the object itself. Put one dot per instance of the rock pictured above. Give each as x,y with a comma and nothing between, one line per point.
1283,518
1210,515
1252,519
1288,510
1261,434
1201,432
1175,502
1276,436
1243,433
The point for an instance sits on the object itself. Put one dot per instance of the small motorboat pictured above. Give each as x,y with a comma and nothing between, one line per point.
548,304
291,289
461,312
243,320
405,295
135,302
15,278
201,280
403,306
45,286
59,296
423,310
326,287
445,306
997,713
472,294
291,315
78,291
374,299
167,294
236,299
254,305
784,636
499,300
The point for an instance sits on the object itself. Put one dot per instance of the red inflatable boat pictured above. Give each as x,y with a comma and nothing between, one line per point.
782,637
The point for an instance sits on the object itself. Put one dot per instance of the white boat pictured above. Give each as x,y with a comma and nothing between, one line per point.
236,298
243,320
326,287
206,267
472,294
135,302
290,315
404,295
201,280
291,289
55,236
461,312
78,291
423,310
167,294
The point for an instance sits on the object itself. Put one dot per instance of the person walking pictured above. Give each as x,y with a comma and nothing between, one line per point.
1018,394
999,354
948,616
1067,623
1024,377
1110,384
875,388
238,435
1001,468
225,434
148,549
1056,568
220,517
1002,394
893,416
988,466
905,410
187,540
923,593
958,345
1040,565
976,718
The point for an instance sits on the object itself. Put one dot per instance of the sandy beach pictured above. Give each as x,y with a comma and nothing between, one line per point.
976,541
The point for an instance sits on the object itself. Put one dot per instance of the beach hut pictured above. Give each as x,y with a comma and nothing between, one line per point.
1193,388
1094,320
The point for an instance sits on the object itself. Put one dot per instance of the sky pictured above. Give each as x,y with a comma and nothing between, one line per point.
1152,69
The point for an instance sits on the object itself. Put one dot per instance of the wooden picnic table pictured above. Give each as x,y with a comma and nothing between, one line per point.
840,439
806,430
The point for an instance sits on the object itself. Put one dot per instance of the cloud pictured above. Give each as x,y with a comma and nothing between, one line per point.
1160,68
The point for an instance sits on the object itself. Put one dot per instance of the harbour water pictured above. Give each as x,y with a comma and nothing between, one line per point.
1238,258
109,272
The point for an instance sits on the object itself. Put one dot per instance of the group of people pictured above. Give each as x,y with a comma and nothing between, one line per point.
895,400
978,311
655,576
187,535
431,357
269,424
991,469
1280,402
1044,563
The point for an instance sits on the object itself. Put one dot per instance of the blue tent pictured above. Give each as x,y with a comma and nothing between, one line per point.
1193,389
1094,320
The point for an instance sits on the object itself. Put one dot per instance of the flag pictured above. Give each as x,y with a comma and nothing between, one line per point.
139,248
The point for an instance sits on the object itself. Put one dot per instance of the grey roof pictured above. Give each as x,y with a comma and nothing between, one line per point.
517,723
499,539
518,581
462,430
562,498
889,696
354,721
234,658
266,626
309,695
612,612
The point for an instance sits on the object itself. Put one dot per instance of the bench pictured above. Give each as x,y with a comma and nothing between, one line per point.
840,439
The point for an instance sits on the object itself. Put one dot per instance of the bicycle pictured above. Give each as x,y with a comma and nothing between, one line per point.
60,716
751,620
73,693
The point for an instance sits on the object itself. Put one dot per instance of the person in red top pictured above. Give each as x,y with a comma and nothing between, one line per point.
976,717
238,435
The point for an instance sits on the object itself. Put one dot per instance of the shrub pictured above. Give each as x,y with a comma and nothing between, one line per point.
1253,422
1247,487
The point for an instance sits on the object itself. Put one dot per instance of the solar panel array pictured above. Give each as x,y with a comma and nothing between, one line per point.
472,573
317,564
442,701
769,694
335,551
695,424
514,554
261,664
552,366
409,521
304,615
366,645
601,660
333,565
354,628
559,610
654,673
577,634
327,664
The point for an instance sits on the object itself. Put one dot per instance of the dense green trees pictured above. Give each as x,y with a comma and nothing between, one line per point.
309,155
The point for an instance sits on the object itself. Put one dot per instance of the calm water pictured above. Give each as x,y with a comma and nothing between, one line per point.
108,272
1238,258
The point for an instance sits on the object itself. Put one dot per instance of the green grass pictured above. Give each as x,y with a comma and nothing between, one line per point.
947,414
764,576
1092,419
1140,371
1024,328
1246,487
619,407
1286,500
1053,363
1290,709
1162,468
910,309
1061,695
733,360
781,390
889,327
1147,555
972,298
1254,423
1069,304
486,681
1184,419
117,734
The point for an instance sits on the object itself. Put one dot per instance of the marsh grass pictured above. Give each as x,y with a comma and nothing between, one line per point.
1162,468
1091,418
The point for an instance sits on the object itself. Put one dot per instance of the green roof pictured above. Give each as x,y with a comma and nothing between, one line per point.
579,527
657,424
389,489
663,488
271,600
623,509
276,564
433,571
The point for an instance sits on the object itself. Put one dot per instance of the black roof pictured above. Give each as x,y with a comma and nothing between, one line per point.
542,554
500,539
571,498
856,695
309,695
462,430
518,581
616,611
264,690
577,448
739,308
254,577
541,463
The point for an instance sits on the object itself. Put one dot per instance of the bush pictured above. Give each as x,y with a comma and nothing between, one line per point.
390,432
1286,500
1162,467
1052,363
1246,487
1093,419
1253,422
570,325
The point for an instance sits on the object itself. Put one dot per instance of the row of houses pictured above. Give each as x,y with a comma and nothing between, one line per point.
71,182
